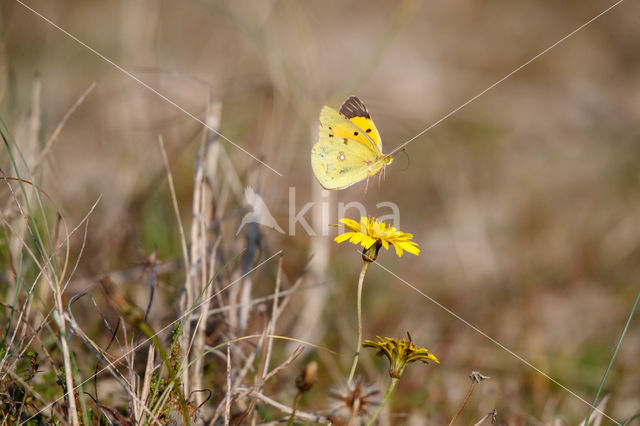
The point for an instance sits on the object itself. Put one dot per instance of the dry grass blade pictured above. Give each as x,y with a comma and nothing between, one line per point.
203,250
111,367
302,415
188,302
146,383
296,353
52,270
271,327
60,126
228,397
229,394
598,415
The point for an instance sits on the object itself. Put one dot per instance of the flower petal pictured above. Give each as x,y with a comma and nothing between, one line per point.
343,237
351,224
367,241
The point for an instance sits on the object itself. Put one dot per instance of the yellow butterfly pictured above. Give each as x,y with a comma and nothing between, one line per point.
349,148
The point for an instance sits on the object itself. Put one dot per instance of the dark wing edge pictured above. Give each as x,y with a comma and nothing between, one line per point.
353,107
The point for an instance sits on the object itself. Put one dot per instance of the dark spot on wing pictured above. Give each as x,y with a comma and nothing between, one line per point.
368,130
330,135
355,133
345,140
353,107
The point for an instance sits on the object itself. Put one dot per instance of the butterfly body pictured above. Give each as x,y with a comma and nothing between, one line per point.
349,147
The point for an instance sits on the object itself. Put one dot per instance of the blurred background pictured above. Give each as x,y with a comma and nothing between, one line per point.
525,203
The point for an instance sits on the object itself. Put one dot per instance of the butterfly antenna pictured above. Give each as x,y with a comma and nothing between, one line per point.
404,151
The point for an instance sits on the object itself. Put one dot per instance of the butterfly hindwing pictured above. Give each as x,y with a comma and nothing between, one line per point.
339,162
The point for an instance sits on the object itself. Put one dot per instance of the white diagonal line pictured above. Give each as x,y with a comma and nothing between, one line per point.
500,345
402,145
189,311
145,85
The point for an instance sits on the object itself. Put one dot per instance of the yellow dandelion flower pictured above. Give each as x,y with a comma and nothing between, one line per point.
400,353
371,233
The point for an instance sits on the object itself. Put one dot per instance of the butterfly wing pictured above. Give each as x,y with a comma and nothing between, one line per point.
354,110
334,124
344,154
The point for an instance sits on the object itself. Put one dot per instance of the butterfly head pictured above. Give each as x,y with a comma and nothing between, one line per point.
387,159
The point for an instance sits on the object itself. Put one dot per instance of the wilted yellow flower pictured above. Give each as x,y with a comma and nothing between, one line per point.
370,232
400,352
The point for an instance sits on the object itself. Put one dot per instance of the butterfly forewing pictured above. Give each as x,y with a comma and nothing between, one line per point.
353,107
354,110
334,124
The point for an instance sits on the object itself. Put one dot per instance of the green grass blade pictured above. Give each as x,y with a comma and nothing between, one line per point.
613,357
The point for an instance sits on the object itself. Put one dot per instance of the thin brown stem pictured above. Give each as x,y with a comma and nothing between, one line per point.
294,408
466,398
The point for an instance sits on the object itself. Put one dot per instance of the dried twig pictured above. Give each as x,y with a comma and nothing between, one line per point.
295,354
303,415
491,414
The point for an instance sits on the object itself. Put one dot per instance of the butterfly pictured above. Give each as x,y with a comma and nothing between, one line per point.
349,147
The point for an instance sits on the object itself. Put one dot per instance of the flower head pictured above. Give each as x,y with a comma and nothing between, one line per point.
373,234
400,352
352,401
307,377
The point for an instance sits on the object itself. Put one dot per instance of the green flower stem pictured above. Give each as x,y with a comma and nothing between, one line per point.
365,265
392,387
